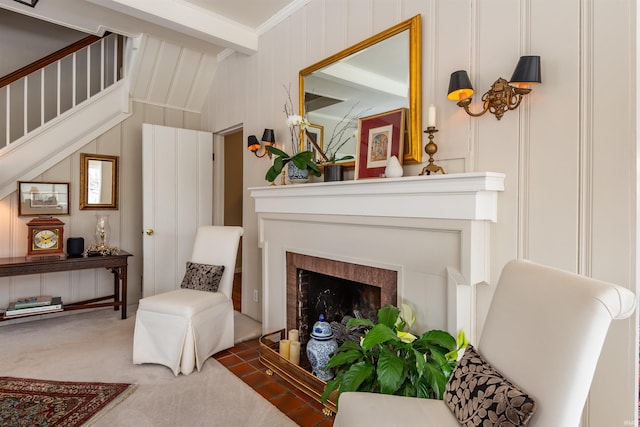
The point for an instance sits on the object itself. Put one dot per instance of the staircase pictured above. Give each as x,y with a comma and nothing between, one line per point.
65,102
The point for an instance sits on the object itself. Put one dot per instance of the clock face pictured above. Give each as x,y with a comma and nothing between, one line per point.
45,239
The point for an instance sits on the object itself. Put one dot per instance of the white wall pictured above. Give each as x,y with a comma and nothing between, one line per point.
125,141
568,152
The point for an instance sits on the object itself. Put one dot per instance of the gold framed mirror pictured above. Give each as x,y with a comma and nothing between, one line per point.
98,181
379,74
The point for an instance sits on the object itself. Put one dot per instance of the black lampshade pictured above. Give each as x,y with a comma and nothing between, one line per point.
527,71
252,143
269,136
459,86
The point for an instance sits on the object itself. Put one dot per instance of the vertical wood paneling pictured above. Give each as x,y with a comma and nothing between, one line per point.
385,14
164,73
184,77
360,15
567,151
336,39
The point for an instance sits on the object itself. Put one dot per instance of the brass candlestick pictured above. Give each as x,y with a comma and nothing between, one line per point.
431,148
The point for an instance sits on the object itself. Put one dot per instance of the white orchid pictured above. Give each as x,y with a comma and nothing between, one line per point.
297,120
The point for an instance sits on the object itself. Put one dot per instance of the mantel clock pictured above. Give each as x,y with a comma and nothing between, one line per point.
45,238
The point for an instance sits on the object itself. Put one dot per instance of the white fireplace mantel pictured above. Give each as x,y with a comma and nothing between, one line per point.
470,196
432,230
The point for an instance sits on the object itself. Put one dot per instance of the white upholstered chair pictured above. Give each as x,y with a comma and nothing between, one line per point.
544,332
182,328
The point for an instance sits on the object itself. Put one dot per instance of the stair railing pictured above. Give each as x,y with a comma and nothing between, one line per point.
47,88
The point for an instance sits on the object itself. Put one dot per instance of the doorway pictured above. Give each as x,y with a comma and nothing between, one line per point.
233,152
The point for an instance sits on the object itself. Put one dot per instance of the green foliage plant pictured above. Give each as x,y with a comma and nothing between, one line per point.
303,160
391,360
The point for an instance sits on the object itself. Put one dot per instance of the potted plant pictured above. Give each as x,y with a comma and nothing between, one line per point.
303,160
391,360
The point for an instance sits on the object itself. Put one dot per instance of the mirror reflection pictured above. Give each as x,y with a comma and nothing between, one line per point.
377,75
98,181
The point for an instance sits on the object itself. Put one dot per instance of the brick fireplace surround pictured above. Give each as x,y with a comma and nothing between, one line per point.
432,231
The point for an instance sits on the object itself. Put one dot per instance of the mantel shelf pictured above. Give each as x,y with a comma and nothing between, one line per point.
468,196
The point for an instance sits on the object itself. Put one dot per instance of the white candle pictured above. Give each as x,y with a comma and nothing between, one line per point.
293,335
284,349
294,354
431,117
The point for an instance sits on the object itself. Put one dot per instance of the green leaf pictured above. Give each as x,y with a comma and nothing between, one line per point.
436,379
377,335
276,151
275,169
420,362
442,362
313,168
422,388
355,376
388,315
441,338
332,385
390,371
344,358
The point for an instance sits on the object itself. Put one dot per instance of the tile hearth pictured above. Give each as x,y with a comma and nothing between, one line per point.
242,361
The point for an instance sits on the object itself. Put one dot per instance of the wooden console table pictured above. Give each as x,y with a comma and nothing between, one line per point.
116,263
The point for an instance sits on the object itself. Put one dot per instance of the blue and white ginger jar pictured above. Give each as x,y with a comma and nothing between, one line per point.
320,347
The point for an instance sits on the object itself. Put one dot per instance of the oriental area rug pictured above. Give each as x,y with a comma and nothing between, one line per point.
27,402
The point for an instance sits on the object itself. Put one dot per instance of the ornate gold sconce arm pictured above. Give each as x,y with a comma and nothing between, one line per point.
501,98
503,95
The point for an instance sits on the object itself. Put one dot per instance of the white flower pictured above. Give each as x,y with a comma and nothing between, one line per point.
297,120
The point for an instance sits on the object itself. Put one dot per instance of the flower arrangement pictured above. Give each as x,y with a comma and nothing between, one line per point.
391,360
295,122
302,159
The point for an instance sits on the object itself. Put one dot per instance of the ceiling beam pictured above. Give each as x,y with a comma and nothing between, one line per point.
189,19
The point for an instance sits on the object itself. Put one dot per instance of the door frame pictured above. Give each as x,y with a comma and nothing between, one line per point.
218,172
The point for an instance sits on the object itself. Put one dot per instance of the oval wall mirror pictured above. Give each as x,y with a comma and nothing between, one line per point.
98,181
379,74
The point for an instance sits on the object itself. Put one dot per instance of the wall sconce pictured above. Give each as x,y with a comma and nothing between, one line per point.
503,96
253,145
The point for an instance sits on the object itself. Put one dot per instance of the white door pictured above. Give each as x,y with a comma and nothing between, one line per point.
177,176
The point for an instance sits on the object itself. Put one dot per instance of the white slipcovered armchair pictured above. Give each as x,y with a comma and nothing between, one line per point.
182,328
544,332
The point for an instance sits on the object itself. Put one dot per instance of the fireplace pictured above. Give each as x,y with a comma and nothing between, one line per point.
335,289
428,235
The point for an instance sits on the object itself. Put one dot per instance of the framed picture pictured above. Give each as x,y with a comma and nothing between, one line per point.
379,137
317,133
43,198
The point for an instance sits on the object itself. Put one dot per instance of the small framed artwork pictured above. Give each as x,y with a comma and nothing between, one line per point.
317,133
379,137
43,198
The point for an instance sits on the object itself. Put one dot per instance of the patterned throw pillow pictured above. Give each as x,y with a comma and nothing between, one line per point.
478,395
202,277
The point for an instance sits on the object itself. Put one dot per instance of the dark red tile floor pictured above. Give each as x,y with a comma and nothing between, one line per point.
242,360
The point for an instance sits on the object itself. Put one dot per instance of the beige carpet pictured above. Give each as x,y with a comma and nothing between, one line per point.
245,328
97,346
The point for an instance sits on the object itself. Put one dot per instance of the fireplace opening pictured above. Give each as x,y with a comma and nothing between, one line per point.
337,289
338,300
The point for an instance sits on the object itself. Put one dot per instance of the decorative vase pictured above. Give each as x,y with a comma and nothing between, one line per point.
103,231
394,168
297,176
319,349
333,172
